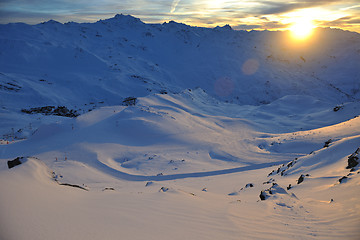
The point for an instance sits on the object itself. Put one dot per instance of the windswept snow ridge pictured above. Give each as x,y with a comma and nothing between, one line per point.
121,129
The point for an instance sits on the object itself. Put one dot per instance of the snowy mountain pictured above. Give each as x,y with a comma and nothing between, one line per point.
166,131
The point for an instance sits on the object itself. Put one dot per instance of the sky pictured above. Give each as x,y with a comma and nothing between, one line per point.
241,15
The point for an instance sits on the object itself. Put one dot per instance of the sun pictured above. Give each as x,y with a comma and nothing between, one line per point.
302,29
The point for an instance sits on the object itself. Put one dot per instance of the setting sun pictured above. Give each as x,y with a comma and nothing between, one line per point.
302,29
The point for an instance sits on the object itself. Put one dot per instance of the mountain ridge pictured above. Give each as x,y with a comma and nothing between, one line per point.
239,57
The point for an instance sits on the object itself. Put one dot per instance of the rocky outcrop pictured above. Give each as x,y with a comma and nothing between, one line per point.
353,159
15,162
274,189
52,110
301,179
129,101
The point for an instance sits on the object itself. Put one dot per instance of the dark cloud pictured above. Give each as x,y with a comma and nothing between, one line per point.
246,27
354,21
274,25
343,21
261,26
276,7
30,18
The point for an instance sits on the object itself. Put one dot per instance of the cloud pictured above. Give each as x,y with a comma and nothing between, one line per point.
260,24
174,5
272,7
351,7
247,27
344,21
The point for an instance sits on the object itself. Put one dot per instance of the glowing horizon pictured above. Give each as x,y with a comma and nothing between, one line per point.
241,15
302,28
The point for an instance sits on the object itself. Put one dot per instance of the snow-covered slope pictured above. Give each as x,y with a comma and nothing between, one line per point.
230,134
122,56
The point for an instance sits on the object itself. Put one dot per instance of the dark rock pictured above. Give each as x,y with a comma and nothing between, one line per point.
262,195
271,173
274,189
288,187
129,101
327,143
343,179
73,185
301,179
290,164
164,189
337,108
269,181
15,162
148,184
10,87
52,110
353,159
249,185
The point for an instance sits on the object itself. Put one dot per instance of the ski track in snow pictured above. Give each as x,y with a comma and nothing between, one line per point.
131,177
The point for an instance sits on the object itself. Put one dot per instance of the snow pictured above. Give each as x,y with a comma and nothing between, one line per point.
220,117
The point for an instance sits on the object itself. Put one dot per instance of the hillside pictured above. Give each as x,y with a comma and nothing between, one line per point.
166,131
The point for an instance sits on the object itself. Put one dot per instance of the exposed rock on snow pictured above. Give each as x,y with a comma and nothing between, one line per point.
273,190
52,110
343,179
327,143
301,179
15,162
74,186
148,184
164,189
263,195
353,159
129,101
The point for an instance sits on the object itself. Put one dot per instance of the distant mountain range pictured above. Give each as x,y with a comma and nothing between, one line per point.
74,64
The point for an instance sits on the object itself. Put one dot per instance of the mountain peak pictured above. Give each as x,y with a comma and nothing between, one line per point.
173,24
128,19
226,27
51,21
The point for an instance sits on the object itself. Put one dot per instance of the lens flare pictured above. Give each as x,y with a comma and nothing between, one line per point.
250,66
